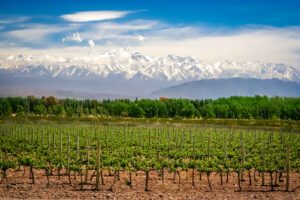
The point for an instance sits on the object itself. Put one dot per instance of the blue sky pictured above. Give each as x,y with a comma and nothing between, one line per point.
256,30
212,12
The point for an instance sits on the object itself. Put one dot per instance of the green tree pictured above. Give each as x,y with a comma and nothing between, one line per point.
135,111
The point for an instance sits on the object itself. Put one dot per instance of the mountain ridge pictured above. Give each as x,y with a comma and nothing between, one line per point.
200,89
216,88
129,64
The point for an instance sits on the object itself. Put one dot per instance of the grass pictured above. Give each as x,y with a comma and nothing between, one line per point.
276,124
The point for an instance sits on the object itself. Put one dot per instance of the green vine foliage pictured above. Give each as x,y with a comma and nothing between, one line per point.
132,148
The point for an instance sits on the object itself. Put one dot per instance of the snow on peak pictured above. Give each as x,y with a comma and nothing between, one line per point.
127,63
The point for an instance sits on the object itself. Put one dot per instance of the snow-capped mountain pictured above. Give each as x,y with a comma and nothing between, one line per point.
130,65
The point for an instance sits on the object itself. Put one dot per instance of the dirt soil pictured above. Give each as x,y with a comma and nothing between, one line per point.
19,186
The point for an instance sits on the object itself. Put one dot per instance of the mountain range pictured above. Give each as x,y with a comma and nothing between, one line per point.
216,88
129,64
125,72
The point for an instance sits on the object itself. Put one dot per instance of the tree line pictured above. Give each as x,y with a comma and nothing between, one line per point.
237,107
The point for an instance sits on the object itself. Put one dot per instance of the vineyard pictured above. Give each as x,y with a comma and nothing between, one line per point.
94,155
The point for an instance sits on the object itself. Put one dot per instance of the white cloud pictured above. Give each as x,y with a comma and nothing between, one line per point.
263,44
94,16
155,38
128,26
75,37
125,32
35,33
92,44
141,38
13,20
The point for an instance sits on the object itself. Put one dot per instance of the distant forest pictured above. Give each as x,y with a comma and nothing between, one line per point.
257,107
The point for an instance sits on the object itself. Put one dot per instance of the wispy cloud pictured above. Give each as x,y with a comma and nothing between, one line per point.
35,33
91,43
9,20
74,37
125,33
94,16
157,38
129,25
266,44
141,38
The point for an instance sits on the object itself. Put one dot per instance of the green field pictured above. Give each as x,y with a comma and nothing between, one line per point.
89,147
